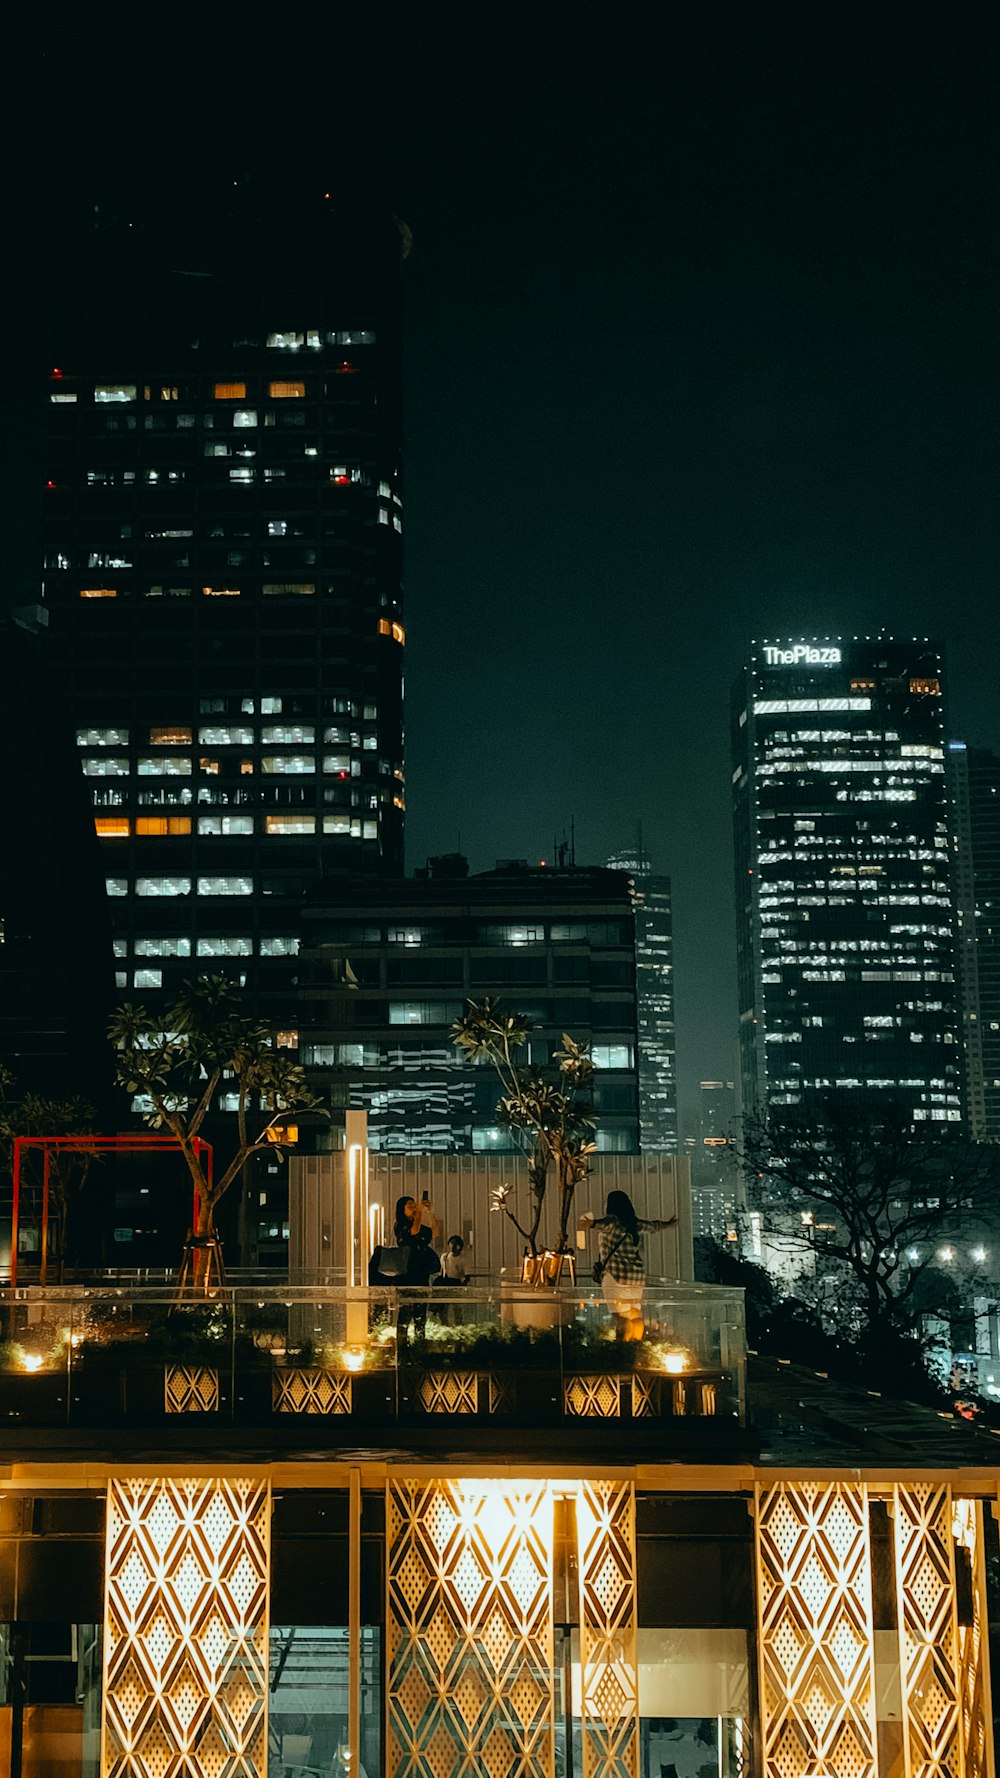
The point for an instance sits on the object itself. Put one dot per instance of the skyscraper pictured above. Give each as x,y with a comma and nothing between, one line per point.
222,571
975,785
654,966
843,894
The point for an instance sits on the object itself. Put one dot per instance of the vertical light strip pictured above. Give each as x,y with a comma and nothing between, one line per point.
975,1691
469,1644
354,1626
928,1629
605,1518
815,1634
186,1626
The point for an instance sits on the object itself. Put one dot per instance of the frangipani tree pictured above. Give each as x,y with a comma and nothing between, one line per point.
180,1060
552,1119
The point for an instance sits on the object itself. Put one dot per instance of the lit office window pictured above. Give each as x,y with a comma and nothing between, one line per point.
225,885
245,417
112,827
287,391
236,736
225,947
278,589
114,392
291,824
230,391
287,735
163,824
105,765
148,978
279,947
162,947
162,765
225,824
170,737
287,763
163,885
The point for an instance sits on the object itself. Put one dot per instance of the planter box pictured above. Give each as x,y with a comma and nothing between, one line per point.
190,1389
311,1390
459,1392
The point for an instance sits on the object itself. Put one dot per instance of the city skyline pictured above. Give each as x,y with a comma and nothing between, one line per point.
700,345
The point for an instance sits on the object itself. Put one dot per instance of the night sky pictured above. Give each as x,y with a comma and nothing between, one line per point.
702,321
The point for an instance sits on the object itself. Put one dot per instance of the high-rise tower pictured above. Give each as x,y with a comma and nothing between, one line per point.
222,570
846,957
654,973
975,786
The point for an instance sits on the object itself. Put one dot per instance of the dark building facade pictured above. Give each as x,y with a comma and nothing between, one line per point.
222,575
387,967
843,875
975,783
715,1181
654,965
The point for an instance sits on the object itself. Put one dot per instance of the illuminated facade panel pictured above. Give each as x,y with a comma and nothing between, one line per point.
816,1640
846,964
605,1517
928,1628
185,1660
469,1650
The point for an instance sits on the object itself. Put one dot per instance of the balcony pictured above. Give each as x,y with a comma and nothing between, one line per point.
373,1366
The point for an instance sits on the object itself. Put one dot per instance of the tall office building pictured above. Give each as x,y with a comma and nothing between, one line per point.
843,875
715,1179
222,573
386,969
975,790
654,965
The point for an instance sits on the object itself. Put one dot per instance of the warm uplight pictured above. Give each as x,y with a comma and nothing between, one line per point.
674,1363
353,1357
32,1361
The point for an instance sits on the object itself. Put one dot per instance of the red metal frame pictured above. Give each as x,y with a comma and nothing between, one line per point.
84,1145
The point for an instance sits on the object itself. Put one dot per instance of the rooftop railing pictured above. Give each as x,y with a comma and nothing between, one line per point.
253,1355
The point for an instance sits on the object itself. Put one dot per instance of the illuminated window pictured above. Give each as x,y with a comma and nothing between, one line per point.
283,763
286,391
62,398
221,592
336,824
106,765
245,416
396,631
114,392
170,737
213,736
225,947
102,737
291,824
155,765
279,947
98,592
163,947
225,886
116,886
337,762
288,735
209,765
286,1040
289,341
282,588
148,978
163,824
862,685
112,827
225,824
927,687
424,1012
163,885
230,391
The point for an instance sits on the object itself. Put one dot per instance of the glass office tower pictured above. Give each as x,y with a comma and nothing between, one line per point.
843,893
975,793
654,978
222,571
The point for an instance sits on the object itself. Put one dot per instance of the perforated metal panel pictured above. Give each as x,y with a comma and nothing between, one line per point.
928,1629
469,1629
185,1661
815,1630
605,1516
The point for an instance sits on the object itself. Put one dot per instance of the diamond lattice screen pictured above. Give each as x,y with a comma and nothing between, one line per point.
469,1629
928,1628
605,1519
815,1633
185,1660
967,1529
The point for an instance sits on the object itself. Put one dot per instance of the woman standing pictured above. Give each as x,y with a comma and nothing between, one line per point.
413,1235
622,1265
